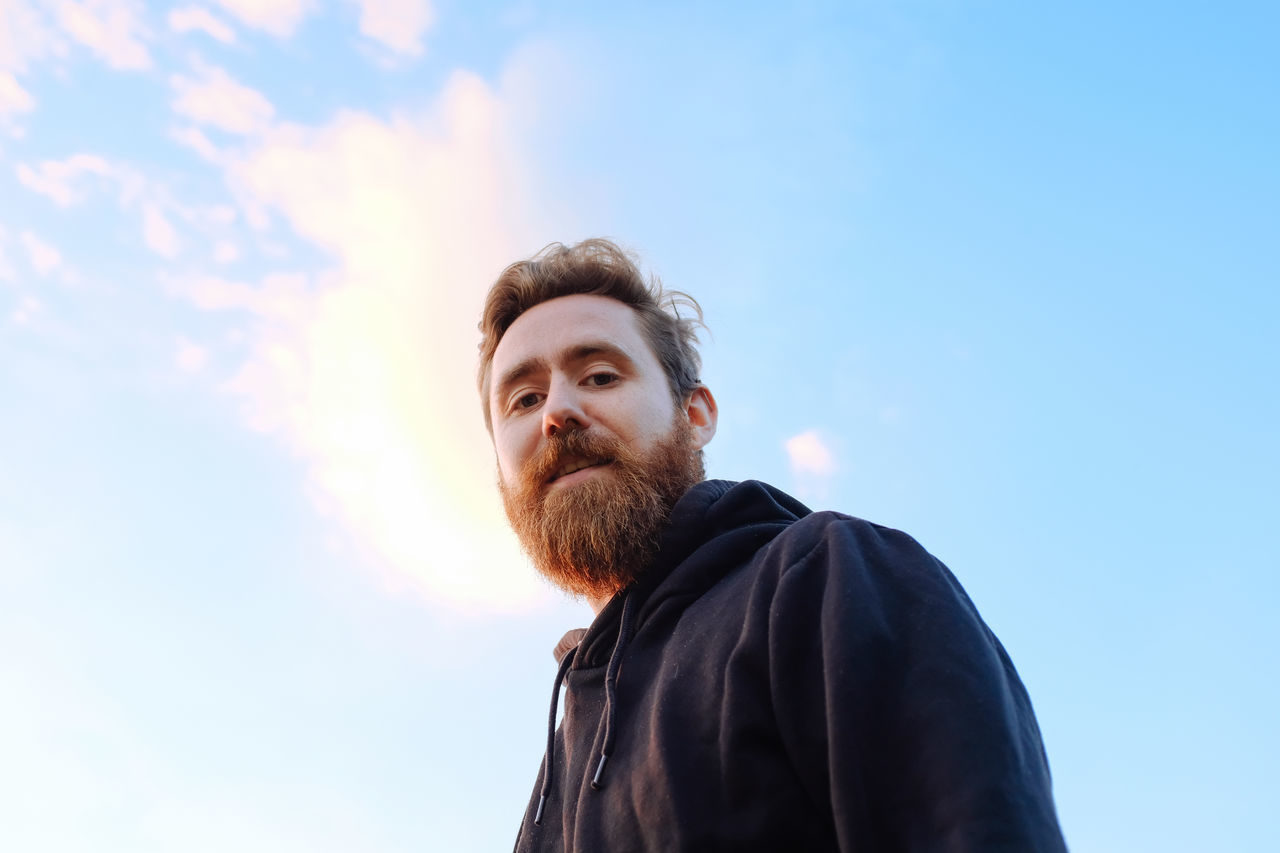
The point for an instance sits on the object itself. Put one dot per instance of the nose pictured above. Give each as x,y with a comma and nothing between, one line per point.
563,409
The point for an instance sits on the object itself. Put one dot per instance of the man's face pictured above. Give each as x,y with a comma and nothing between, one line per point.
576,362
592,449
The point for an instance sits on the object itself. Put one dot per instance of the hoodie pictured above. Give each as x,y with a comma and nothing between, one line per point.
780,679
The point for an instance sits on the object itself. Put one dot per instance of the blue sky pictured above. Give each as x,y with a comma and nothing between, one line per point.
1000,275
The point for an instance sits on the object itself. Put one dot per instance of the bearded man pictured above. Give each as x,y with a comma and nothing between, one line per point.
758,677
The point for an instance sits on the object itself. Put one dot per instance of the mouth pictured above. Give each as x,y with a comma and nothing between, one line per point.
574,465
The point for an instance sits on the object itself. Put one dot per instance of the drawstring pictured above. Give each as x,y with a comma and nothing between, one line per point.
610,707
548,760
611,687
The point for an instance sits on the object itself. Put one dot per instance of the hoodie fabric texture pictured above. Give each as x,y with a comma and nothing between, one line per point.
788,680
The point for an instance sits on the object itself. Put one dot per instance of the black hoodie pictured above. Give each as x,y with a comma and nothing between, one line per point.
788,680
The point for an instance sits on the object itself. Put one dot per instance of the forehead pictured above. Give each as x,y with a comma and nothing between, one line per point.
551,329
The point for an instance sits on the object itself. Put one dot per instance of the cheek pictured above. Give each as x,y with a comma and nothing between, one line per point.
652,428
512,450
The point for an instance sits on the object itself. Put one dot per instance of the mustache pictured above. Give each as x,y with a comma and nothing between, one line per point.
564,446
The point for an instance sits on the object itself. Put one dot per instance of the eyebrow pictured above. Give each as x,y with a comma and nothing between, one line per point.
578,352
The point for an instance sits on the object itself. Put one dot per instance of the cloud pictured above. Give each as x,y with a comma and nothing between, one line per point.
278,17
278,297
197,141
57,179
365,371
6,268
64,183
13,98
25,35
198,19
190,357
158,232
29,308
809,455
43,257
215,99
225,252
397,24
109,28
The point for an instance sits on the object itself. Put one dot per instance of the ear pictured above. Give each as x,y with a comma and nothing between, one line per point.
702,413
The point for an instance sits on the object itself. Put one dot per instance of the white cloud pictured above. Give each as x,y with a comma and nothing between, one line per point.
195,139
190,357
809,455
198,19
43,257
225,252
28,309
278,297
57,179
219,214
214,98
366,372
398,24
278,17
25,35
13,98
110,28
158,232
6,268
64,183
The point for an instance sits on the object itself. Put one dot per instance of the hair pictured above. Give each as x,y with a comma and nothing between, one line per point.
597,267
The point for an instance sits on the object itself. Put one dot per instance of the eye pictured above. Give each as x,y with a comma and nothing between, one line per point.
601,379
526,401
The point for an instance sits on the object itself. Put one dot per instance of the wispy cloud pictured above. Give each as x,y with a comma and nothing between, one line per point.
158,232
198,19
189,357
195,139
6,267
360,365
112,29
278,17
365,371
26,311
276,298
812,462
59,180
214,98
161,220
13,98
25,35
44,258
809,454
225,252
397,24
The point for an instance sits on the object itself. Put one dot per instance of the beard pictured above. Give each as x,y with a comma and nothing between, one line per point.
595,537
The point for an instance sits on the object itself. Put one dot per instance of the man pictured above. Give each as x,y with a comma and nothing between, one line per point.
758,676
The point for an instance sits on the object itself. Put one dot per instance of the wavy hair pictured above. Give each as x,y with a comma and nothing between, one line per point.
597,267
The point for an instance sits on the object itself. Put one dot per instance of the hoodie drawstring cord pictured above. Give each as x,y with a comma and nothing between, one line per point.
548,760
610,707
611,687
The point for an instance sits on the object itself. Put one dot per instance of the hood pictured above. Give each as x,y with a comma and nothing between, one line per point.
716,525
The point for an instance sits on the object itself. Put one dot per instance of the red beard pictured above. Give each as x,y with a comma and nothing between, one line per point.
595,537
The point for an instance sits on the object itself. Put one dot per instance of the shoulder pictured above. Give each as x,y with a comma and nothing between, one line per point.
858,570
839,540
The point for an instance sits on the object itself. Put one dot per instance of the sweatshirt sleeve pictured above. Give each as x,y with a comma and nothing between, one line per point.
900,710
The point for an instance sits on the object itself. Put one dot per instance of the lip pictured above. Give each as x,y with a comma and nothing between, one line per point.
576,469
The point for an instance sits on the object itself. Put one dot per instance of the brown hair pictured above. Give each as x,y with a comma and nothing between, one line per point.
601,268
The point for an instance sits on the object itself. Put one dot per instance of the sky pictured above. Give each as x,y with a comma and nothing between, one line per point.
1002,275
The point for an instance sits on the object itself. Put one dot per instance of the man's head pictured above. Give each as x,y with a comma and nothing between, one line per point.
590,389
594,267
